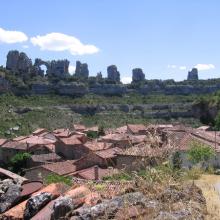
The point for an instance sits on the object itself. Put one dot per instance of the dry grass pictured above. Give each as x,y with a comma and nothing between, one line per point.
207,184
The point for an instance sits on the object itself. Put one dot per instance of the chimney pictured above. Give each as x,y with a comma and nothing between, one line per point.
96,171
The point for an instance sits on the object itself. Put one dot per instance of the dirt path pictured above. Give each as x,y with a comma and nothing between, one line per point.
210,185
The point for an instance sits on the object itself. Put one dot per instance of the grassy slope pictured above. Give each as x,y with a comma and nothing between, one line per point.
45,115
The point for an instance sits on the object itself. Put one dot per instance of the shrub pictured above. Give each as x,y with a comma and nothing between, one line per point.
200,152
53,178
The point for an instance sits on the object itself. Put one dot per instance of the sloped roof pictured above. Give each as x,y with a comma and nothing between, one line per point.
97,146
108,153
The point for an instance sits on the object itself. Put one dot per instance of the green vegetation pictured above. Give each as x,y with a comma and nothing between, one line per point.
200,153
20,115
19,162
53,178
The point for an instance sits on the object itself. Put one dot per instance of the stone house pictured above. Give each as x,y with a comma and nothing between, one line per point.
37,160
94,173
118,140
72,147
136,129
102,158
59,168
139,157
186,143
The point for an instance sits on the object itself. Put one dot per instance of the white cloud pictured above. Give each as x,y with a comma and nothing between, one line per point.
63,42
10,37
182,67
72,69
126,80
25,46
171,66
202,67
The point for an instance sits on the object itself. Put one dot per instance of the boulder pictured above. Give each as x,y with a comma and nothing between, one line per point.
35,203
61,206
10,193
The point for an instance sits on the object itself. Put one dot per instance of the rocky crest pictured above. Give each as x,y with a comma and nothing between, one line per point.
113,73
138,75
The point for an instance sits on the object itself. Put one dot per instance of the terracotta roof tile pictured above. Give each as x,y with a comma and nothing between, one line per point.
39,131
79,127
108,153
136,128
45,157
90,174
61,168
73,140
97,146
2,141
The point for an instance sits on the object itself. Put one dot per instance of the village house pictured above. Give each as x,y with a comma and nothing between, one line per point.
95,173
136,129
72,147
102,158
37,160
139,157
119,140
59,168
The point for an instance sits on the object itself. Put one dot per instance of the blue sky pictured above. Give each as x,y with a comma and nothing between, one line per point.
165,38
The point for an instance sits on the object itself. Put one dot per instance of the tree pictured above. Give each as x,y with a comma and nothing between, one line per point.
199,152
19,161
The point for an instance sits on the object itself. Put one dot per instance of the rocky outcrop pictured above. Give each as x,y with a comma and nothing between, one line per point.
71,89
82,70
10,193
55,68
138,75
18,62
35,203
193,74
109,89
113,73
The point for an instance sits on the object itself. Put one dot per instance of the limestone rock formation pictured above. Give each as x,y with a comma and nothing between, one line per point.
18,62
55,68
137,75
82,70
193,74
113,73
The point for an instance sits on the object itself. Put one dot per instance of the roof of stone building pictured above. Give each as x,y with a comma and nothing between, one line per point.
11,175
61,168
89,173
136,128
16,145
115,137
79,127
2,141
62,133
97,146
72,140
144,151
37,140
45,157
122,130
108,153
39,131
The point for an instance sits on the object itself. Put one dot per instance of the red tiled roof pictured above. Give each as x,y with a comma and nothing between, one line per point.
122,130
36,140
89,173
79,127
39,131
46,157
73,140
16,145
62,133
61,168
144,151
20,138
115,137
97,146
2,141
136,128
108,153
